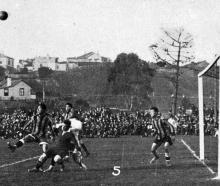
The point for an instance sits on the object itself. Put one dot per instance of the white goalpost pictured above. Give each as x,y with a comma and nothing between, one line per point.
212,71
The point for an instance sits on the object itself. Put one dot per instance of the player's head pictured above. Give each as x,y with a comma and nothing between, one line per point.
41,108
153,111
69,106
67,125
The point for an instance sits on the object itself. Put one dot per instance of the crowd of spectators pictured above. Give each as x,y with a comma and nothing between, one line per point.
103,122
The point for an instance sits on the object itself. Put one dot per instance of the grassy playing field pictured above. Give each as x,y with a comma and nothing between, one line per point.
131,153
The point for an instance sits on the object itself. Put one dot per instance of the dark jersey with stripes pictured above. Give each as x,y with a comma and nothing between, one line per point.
160,127
68,115
40,125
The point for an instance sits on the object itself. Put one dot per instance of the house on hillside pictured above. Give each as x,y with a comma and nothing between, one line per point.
6,62
16,89
87,59
50,62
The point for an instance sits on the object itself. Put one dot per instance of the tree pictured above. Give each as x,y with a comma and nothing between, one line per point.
131,77
44,73
175,47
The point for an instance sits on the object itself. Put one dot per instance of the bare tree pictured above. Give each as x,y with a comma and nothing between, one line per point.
174,47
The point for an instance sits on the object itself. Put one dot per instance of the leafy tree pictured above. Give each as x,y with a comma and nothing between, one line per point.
161,64
131,77
44,72
175,47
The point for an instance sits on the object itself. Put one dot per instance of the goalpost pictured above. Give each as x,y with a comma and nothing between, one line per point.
211,71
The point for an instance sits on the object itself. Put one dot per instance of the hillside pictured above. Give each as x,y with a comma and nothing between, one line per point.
91,84
163,85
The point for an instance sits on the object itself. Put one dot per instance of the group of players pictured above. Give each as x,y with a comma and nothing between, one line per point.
70,144
69,141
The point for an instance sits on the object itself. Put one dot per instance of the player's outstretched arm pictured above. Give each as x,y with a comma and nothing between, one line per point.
58,125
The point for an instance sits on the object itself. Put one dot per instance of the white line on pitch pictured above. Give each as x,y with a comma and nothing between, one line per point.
194,154
17,162
122,155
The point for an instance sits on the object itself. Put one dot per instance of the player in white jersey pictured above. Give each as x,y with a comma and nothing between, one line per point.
76,129
76,126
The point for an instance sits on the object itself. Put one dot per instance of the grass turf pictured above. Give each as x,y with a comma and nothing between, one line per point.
131,153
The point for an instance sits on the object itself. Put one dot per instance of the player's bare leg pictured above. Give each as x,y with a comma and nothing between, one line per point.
84,148
77,157
56,159
16,145
38,168
59,161
154,152
44,146
167,154
49,169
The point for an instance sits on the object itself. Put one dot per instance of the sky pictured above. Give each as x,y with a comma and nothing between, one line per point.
68,28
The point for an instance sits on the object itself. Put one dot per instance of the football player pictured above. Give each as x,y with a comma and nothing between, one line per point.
65,143
162,135
40,124
76,126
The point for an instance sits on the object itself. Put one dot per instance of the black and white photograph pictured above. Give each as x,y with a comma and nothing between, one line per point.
109,92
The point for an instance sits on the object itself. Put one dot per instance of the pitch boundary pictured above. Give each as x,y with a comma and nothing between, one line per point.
197,157
17,162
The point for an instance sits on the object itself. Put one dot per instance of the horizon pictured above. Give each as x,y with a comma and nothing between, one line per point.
72,28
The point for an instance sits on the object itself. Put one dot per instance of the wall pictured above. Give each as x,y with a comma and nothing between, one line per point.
61,66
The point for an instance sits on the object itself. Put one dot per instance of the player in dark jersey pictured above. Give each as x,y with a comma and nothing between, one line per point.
162,135
41,122
57,152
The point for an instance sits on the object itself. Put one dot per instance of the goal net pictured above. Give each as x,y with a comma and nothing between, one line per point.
208,94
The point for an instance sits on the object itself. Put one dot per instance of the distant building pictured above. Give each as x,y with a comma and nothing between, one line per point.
47,61
87,59
6,61
14,89
61,66
27,63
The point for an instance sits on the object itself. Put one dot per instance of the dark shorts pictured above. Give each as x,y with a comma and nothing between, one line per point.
80,135
53,151
158,140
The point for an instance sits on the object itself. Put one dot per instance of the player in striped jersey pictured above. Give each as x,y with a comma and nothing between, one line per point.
69,113
40,125
162,134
